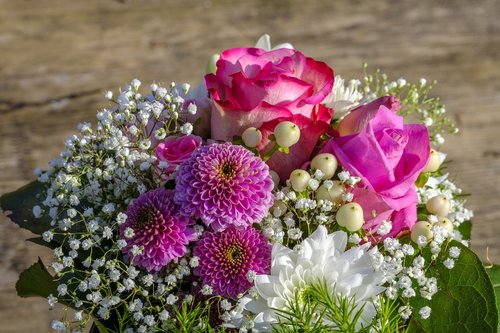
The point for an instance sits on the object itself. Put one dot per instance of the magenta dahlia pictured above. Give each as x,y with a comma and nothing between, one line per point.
224,184
226,257
157,226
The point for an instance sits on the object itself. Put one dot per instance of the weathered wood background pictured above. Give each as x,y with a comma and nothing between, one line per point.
58,57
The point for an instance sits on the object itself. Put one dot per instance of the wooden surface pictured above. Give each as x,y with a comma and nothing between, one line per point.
58,57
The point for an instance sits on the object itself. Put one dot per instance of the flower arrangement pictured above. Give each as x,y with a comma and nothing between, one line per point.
274,197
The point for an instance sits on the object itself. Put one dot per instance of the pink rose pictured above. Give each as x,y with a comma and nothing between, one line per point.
402,219
253,86
388,155
175,150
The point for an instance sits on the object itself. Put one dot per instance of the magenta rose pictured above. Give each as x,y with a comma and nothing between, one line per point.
175,150
388,155
252,86
257,88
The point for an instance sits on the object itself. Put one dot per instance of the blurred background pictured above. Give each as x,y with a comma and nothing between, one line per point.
58,57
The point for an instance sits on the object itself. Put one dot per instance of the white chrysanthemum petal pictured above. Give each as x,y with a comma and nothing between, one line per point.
323,258
264,285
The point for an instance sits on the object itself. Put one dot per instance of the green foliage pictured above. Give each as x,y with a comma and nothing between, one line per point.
36,281
317,309
494,274
465,229
465,301
388,316
20,204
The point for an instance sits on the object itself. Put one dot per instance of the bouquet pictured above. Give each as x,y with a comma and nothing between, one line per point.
273,197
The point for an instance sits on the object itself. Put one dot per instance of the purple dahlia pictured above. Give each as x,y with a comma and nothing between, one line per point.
226,257
224,184
158,228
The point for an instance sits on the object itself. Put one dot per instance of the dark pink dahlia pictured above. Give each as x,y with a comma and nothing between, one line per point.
224,184
226,257
158,227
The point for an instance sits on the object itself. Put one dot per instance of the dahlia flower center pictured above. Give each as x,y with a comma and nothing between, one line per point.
144,218
227,170
235,253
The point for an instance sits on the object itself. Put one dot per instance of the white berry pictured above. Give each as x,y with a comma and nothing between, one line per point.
421,228
445,223
325,162
251,137
333,194
438,205
286,134
279,208
434,162
299,179
275,177
350,216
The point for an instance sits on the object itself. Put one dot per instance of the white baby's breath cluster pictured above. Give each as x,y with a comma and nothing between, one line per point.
87,191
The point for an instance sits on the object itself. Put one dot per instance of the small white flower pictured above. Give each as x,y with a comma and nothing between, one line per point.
164,315
206,290
449,263
454,252
344,176
58,325
294,233
37,211
404,312
171,299
62,289
129,232
51,300
187,128
425,312
78,315
384,228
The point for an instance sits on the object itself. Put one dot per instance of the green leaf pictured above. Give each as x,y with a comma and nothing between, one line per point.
36,281
40,241
20,204
465,229
465,301
494,273
97,327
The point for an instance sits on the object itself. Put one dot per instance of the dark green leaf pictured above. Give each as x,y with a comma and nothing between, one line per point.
465,301
97,327
20,204
40,241
465,229
494,273
36,281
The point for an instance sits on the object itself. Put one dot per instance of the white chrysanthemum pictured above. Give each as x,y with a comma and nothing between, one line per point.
322,258
264,42
343,98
